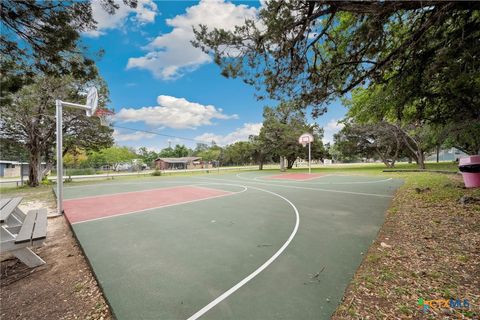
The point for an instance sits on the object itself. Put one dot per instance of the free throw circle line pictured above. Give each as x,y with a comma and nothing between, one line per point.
252,275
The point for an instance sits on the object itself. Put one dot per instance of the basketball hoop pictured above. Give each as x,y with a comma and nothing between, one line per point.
305,139
106,116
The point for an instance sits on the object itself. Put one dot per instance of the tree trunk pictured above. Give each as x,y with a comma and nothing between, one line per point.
421,159
438,153
33,172
290,163
260,165
282,164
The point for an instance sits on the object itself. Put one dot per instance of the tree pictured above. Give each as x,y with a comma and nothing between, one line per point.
210,154
181,151
113,156
166,153
239,153
280,131
148,156
380,140
44,34
464,136
315,51
12,150
30,119
75,157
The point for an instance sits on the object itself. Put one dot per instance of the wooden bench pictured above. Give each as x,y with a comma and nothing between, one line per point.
20,232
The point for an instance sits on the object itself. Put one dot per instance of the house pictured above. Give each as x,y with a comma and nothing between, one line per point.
11,169
452,154
181,163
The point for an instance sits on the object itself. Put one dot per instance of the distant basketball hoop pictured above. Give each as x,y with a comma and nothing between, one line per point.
105,115
305,139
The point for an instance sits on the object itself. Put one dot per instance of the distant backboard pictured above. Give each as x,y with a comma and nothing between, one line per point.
305,139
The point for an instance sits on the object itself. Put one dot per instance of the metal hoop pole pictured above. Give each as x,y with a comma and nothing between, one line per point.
309,159
58,105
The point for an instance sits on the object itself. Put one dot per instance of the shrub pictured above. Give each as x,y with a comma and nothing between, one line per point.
156,173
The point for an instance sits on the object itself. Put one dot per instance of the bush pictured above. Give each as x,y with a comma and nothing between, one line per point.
45,181
156,173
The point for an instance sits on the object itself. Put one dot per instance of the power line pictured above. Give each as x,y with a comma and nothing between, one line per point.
161,134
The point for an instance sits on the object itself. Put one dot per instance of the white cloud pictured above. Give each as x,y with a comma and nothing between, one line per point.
171,55
240,134
330,129
176,113
144,13
134,136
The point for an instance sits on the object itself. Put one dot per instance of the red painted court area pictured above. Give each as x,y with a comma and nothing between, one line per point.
296,176
84,209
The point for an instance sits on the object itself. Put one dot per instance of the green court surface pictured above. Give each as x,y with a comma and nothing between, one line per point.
239,246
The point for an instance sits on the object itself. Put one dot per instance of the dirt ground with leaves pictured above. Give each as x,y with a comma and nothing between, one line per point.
64,288
428,248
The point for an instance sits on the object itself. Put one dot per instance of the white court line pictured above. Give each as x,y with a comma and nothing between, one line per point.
252,275
262,179
374,181
123,183
127,192
167,205
268,178
307,188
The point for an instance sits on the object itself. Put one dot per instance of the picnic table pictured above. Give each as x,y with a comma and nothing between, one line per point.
19,231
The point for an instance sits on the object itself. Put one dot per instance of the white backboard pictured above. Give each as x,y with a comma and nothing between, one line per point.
92,101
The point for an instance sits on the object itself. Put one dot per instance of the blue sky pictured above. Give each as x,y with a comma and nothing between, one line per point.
159,82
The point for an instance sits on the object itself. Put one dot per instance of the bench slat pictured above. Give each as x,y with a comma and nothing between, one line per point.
25,234
4,201
40,230
8,208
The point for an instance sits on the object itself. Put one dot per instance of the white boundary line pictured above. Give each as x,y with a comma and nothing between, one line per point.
252,275
269,177
262,179
127,192
165,206
315,189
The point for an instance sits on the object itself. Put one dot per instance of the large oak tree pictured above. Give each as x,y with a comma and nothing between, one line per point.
315,51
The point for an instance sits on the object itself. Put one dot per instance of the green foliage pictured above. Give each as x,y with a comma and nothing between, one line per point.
113,156
148,157
177,152
210,154
156,173
381,140
44,35
238,153
282,126
315,51
30,117
12,150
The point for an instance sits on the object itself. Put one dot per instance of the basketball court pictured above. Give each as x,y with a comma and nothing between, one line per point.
253,245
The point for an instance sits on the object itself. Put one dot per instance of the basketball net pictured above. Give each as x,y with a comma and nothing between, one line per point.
106,116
